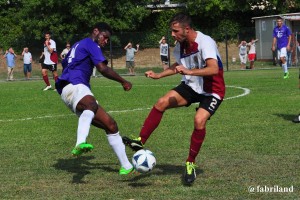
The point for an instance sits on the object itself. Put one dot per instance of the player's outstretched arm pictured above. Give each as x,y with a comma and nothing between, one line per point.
111,74
168,72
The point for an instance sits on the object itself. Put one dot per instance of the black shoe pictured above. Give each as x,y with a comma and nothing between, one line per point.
189,173
297,119
134,144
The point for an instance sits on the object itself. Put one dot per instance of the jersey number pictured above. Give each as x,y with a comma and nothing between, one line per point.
72,54
213,104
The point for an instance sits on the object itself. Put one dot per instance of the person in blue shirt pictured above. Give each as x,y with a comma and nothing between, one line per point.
74,87
282,36
11,62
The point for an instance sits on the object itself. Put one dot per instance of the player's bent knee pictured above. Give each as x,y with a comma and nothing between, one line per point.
162,104
200,122
112,127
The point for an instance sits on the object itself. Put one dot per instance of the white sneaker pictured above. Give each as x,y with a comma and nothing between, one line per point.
47,88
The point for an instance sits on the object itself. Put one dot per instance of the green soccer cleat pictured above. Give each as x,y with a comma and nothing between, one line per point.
124,171
134,144
189,173
82,148
286,75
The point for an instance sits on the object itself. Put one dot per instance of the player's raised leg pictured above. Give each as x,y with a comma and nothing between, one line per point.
171,100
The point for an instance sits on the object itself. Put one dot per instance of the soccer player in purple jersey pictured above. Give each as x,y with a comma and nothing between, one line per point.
74,87
282,36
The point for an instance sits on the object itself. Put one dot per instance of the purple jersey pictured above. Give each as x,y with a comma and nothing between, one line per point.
79,63
282,34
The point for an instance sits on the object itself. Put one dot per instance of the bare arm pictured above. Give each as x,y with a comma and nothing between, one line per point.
289,43
62,55
168,72
160,41
137,47
126,47
274,43
111,74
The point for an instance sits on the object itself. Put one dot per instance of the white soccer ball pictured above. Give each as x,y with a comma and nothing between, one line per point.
143,160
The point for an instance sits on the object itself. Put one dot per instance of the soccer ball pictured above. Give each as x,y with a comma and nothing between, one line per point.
143,160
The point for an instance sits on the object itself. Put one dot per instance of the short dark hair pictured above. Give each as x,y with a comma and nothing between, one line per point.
47,32
181,18
102,26
279,17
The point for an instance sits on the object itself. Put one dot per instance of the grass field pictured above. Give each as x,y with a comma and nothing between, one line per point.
250,141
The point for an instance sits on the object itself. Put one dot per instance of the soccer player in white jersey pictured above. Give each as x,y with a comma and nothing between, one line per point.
199,63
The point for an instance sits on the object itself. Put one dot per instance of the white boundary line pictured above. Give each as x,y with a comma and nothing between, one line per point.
246,92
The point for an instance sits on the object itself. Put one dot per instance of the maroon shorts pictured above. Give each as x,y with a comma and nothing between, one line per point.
251,56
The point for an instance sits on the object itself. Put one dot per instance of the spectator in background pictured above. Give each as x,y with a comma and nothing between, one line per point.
10,61
27,60
65,51
164,53
243,54
252,52
130,51
282,37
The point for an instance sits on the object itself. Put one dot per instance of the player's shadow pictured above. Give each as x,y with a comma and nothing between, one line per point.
80,167
287,117
159,170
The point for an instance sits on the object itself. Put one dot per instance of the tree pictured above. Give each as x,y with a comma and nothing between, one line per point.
24,22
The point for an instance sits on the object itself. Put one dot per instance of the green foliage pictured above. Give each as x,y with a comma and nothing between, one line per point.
226,28
24,21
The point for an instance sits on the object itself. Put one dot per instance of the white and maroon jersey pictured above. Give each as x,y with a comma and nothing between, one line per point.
47,54
194,57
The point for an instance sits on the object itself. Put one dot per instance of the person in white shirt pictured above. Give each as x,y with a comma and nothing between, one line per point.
252,52
243,54
65,51
27,59
164,51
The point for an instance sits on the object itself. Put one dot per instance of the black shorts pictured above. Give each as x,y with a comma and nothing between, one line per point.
50,67
208,103
164,59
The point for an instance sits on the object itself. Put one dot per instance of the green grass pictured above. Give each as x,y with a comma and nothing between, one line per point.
250,141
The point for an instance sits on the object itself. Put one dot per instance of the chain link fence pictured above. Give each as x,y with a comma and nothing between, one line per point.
148,55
